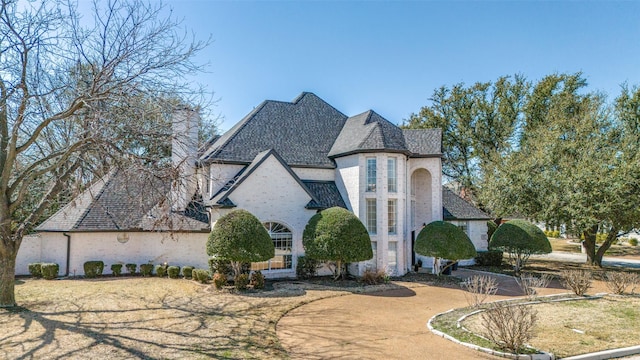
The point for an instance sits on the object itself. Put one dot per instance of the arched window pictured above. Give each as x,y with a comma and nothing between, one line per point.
283,242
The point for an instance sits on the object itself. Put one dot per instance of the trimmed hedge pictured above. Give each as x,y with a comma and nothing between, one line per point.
50,270
161,270
93,268
257,280
307,267
489,258
200,275
186,271
146,269
116,269
173,272
219,280
241,281
35,269
131,268
444,240
520,236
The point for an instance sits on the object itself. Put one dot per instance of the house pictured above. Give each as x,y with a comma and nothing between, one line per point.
283,162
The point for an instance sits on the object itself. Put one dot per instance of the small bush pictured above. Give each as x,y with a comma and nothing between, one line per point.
173,272
578,281
257,280
35,270
219,280
617,282
480,287
186,271
200,275
50,270
221,266
307,267
116,269
633,242
489,258
146,269
529,282
241,281
93,268
509,327
131,268
161,270
374,277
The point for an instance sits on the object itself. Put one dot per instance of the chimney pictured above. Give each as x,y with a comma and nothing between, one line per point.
184,153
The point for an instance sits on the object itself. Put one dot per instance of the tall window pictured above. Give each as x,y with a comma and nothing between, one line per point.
283,242
392,212
372,215
392,174
392,257
371,174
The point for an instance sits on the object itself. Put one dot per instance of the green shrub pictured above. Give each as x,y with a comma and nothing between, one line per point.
35,269
116,269
50,270
200,275
241,281
161,270
444,240
307,267
219,280
146,269
240,238
173,272
93,268
520,239
222,266
633,242
257,280
131,268
489,258
337,235
186,271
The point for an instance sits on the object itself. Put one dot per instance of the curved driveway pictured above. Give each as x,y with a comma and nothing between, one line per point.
384,325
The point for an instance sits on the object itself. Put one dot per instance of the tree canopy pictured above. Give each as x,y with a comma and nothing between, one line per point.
441,239
78,100
240,238
336,234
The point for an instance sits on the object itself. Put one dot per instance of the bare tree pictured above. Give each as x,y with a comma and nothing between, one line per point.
78,100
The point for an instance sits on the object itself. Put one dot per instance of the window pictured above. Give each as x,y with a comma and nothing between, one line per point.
371,174
392,210
371,216
283,242
392,175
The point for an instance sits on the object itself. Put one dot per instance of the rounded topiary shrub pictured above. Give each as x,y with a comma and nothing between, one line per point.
35,269
444,240
337,235
116,269
187,272
131,268
93,268
146,269
173,272
520,239
200,275
50,270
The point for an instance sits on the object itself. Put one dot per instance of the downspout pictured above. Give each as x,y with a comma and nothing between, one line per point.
68,252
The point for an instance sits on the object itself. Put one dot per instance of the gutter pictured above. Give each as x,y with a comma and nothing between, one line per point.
68,252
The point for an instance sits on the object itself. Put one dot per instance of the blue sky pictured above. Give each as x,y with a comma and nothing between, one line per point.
390,56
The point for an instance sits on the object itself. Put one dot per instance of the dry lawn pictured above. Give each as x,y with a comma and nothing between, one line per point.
582,326
621,250
148,318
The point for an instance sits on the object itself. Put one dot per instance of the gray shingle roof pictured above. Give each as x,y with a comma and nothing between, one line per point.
123,201
302,132
326,192
457,208
423,142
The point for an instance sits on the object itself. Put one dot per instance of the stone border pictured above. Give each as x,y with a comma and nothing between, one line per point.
600,355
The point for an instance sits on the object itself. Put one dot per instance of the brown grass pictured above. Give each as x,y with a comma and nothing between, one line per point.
583,326
148,318
622,250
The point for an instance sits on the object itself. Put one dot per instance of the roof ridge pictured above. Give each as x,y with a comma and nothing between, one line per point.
366,137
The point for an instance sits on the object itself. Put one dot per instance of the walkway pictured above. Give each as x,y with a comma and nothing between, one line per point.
385,325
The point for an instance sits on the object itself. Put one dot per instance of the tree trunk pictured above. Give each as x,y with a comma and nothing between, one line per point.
611,238
8,279
590,244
